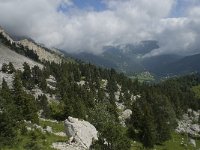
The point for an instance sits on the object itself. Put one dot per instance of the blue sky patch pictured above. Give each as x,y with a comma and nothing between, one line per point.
97,5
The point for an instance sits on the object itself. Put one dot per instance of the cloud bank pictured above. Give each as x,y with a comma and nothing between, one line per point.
62,24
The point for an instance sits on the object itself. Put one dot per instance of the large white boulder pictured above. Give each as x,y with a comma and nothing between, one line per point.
126,114
81,132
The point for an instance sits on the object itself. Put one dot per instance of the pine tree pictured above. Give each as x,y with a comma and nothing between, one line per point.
25,103
5,91
7,127
68,105
4,68
27,72
37,74
8,122
17,85
164,116
26,76
44,105
112,137
121,98
148,134
112,108
11,68
29,108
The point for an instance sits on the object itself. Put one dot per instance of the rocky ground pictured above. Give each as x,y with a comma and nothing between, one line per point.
6,56
41,52
189,125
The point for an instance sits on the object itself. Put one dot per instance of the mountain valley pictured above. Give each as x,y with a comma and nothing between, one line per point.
49,101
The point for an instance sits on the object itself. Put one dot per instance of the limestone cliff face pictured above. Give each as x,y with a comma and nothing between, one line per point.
6,35
41,51
43,54
8,54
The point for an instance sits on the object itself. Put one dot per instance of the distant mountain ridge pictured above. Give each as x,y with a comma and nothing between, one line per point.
184,65
128,58
125,58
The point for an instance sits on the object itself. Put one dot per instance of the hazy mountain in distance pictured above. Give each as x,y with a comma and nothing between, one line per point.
156,63
184,65
125,58
128,58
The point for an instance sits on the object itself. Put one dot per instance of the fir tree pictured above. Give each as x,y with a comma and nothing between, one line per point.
11,68
4,68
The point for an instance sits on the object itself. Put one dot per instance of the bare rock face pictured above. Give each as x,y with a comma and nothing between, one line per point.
6,35
41,52
44,54
189,124
6,56
81,132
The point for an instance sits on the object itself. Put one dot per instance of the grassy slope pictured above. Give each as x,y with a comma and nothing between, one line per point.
173,144
42,140
144,77
56,127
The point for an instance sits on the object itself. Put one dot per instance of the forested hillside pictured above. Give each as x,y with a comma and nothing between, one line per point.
37,96
94,94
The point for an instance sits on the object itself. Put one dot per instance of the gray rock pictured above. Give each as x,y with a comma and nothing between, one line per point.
80,131
67,146
188,124
195,127
41,52
193,142
126,114
62,134
49,129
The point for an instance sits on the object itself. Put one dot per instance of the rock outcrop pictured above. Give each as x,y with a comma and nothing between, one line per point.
42,52
6,35
6,56
51,82
80,132
126,114
189,124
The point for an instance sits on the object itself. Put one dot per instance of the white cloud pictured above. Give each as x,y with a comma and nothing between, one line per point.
124,21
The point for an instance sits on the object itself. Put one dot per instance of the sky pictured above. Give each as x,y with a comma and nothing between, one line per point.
89,25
